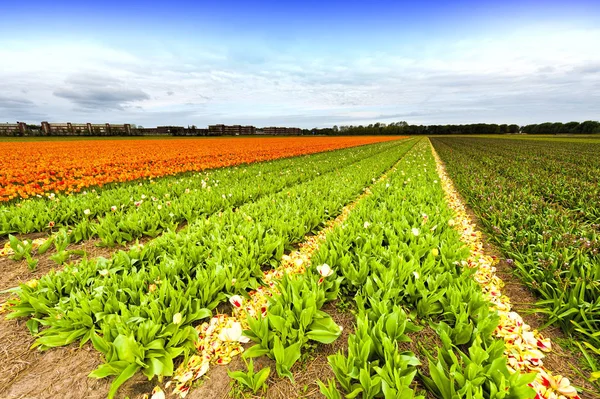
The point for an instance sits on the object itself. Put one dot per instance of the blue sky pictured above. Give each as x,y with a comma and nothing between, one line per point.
306,64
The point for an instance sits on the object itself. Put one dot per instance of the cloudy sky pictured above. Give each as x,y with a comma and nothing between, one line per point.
306,63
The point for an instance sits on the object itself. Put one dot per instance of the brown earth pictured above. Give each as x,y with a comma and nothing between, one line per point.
32,374
307,373
16,272
56,373
426,340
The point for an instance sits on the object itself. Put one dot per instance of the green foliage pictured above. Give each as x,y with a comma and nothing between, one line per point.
481,373
22,250
191,271
384,252
539,200
251,380
293,319
330,391
374,363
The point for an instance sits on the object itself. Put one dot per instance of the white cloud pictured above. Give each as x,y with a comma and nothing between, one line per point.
529,75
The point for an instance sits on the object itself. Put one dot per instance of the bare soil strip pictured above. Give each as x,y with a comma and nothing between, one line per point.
26,373
14,273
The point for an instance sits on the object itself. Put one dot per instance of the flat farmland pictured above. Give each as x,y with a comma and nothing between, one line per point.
539,200
336,267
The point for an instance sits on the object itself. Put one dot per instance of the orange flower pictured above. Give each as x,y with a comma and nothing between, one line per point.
31,168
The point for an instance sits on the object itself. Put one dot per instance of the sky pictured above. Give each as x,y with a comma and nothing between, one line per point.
305,64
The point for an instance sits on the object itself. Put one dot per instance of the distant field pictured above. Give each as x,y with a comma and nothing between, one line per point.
36,167
588,138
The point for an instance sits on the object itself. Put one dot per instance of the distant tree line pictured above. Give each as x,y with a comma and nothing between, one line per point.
403,128
587,127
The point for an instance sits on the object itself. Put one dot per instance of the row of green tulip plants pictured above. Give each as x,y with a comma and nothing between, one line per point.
122,212
563,174
294,318
139,307
555,252
398,259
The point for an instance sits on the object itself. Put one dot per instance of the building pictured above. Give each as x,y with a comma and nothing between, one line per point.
194,131
170,130
19,129
248,130
216,130
10,129
281,131
107,129
231,130
234,130
148,131
85,129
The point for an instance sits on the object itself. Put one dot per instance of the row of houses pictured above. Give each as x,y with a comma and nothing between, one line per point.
107,129
238,130
233,130
13,129
281,131
65,129
170,131
219,130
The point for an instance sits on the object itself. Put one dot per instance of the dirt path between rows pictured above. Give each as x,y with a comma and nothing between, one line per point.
58,373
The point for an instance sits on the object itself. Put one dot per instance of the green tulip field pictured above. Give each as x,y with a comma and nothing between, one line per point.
221,279
539,201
